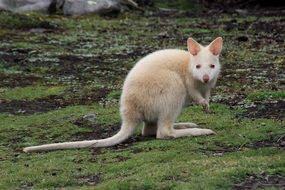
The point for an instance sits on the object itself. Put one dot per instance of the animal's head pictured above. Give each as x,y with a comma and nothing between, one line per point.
205,65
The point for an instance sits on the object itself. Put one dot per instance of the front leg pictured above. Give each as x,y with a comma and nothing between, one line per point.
207,95
197,97
205,104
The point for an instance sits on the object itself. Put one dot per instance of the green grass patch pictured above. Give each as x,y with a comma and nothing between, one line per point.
167,164
30,92
116,94
265,95
10,20
179,4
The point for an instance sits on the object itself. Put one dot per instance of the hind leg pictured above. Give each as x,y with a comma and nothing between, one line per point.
166,130
192,132
185,125
149,129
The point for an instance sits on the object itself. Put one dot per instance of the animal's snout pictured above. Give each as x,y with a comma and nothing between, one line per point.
206,78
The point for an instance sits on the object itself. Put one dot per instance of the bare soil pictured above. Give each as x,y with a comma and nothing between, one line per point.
270,110
91,180
53,102
261,181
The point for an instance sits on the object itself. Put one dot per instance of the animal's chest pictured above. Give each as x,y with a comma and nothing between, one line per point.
204,89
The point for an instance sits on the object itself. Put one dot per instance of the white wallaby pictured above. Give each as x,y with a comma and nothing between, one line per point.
155,91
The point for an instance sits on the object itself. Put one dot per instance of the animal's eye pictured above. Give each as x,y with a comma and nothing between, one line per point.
212,66
198,66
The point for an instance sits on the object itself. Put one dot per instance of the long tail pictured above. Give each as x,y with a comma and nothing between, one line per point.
124,133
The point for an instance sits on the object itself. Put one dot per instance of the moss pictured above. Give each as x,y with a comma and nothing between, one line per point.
30,92
179,4
115,94
168,164
23,21
265,95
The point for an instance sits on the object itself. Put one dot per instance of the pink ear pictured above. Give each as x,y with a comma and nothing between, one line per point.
193,46
216,46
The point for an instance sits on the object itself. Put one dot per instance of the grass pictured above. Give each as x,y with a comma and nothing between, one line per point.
265,95
179,4
166,164
81,55
30,92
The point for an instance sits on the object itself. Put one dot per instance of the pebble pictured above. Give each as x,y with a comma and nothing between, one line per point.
91,117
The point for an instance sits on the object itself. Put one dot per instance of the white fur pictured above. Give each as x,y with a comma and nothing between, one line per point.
155,91
205,59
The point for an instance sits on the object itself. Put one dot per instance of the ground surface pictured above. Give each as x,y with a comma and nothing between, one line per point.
54,70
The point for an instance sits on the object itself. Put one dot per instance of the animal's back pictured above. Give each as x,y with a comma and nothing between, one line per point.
155,83
163,59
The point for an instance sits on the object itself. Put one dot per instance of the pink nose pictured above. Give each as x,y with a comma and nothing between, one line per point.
206,78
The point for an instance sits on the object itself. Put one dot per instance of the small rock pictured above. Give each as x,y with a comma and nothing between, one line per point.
218,154
163,34
91,117
38,30
241,12
26,5
21,111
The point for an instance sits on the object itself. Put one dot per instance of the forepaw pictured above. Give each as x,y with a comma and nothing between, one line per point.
205,104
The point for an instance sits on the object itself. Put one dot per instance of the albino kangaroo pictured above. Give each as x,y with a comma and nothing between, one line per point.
155,91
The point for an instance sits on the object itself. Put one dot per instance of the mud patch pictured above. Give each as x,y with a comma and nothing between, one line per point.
68,67
261,109
270,110
273,142
18,80
261,181
25,186
130,141
53,102
61,68
52,172
12,57
102,132
105,131
115,159
177,178
231,100
137,150
90,180
220,151
23,107
98,131
121,158
271,27
74,65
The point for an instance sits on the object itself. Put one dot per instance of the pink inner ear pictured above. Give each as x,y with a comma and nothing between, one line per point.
214,50
216,46
194,51
193,46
